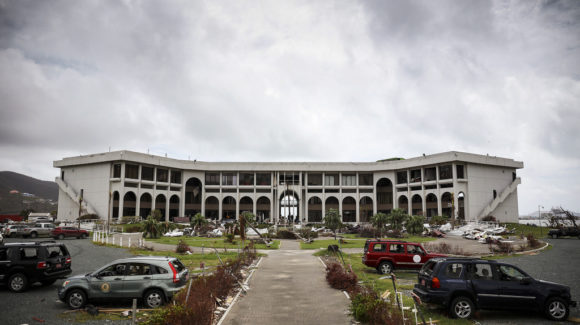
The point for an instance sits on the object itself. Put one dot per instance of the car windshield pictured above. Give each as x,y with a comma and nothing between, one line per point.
177,265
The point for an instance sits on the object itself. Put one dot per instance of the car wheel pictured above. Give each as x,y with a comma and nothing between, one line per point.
153,298
462,307
84,236
554,236
557,309
385,268
33,235
76,299
61,236
17,282
48,282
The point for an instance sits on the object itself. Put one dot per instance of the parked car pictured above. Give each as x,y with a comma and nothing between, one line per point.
62,232
465,285
38,229
153,279
22,264
386,255
14,230
566,231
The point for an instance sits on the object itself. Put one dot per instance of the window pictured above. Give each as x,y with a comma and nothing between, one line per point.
246,179
430,174
212,179
494,193
480,272
415,175
445,172
453,270
397,248
3,255
365,179
348,180
510,273
314,179
331,179
229,179
132,171
162,175
414,249
175,177
116,171
289,178
159,270
460,171
379,247
263,179
402,177
113,270
147,173
55,251
28,253
139,269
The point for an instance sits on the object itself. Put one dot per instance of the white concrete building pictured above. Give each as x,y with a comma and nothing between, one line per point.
126,183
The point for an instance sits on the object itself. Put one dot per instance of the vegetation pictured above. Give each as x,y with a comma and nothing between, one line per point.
88,217
156,214
356,242
415,224
333,221
397,218
217,242
438,220
198,221
151,228
379,221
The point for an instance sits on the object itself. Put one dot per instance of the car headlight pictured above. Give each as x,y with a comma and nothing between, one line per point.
65,283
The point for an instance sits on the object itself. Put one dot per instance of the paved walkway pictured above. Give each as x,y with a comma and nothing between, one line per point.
290,287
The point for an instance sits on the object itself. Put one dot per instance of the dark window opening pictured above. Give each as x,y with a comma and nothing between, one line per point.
430,174
314,179
132,171
263,179
116,171
494,194
229,179
365,179
147,173
175,177
415,175
246,179
212,179
402,177
331,179
460,171
162,175
445,172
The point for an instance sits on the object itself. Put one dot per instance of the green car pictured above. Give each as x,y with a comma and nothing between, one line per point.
153,279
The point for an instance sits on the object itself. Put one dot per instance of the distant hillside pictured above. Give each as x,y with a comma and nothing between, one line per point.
24,184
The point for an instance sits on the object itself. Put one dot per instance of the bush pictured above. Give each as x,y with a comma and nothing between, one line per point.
133,228
367,307
367,231
285,234
130,219
308,233
340,279
229,238
182,247
503,248
438,220
532,241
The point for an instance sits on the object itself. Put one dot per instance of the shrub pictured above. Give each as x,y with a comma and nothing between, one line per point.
367,231
438,220
340,279
503,248
367,307
532,241
307,233
285,234
133,228
229,238
182,247
129,219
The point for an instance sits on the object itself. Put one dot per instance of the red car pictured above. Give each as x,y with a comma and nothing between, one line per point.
386,255
62,232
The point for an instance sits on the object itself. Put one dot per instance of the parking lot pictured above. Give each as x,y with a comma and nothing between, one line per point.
560,264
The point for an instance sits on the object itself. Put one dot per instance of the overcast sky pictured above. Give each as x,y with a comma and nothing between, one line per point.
295,81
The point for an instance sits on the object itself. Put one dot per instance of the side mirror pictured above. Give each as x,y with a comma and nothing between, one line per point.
526,281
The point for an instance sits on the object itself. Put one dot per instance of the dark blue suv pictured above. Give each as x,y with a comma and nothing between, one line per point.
464,285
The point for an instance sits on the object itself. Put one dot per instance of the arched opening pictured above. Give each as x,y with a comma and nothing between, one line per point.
431,205
348,209
461,205
315,209
160,202
331,203
145,205
116,197
447,204
289,206
129,204
365,209
173,207
404,203
384,196
417,205
263,209
212,208
192,196
229,208
246,204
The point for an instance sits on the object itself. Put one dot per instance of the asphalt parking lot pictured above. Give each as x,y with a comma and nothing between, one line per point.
560,264
40,303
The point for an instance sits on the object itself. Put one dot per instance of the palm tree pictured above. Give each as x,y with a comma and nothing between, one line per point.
379,221
198,221
151,228
333,221
397,218
415,225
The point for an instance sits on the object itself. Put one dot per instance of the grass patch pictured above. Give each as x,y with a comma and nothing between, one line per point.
357,242
210,242
523,230
193,261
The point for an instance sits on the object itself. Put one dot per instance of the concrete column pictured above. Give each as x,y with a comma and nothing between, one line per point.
121,198
272,218
424,204
237,196
439,207
220,205
138,202
167,207
357,206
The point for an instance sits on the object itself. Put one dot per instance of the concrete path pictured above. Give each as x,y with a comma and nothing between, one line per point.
290,287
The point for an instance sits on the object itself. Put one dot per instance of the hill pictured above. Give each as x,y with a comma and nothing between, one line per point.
24,184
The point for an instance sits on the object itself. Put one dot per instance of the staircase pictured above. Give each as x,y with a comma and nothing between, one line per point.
500,198
72,194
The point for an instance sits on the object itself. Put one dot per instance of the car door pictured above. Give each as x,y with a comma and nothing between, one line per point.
108,282
137,279
375,251
4,263
414,256
515,292
397,253
485,285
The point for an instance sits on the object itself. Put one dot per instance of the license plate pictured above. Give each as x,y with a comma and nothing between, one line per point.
58,266
422,282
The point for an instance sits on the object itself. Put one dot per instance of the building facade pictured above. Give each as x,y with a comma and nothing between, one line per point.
125,183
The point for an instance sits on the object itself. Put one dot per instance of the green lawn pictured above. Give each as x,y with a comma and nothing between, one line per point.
193,261
538,232
357,242
405,281
210,242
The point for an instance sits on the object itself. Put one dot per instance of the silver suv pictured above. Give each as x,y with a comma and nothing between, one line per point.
153,279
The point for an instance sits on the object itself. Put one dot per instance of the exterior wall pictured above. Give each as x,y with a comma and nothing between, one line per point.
508,211
67,208
94,181
483,180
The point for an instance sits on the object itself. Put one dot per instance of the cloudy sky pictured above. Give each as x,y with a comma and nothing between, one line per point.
295,81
